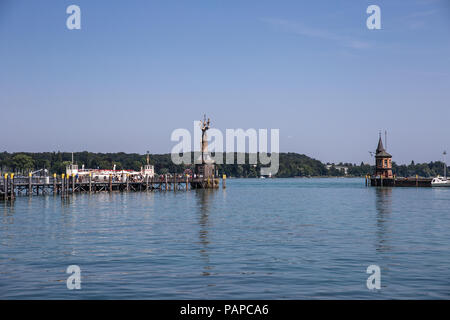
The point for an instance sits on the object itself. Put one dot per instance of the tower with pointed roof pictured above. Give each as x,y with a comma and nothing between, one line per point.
383,162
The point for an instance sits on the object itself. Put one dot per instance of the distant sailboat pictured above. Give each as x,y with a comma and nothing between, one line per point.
441,181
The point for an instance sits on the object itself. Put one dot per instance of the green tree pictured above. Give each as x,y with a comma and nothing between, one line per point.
22,162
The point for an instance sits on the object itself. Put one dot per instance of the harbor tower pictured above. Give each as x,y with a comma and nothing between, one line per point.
383,162
383,176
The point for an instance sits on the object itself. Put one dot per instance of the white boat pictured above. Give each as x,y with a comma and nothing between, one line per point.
441,181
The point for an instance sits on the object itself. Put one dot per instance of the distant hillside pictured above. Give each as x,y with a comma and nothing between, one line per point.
300,165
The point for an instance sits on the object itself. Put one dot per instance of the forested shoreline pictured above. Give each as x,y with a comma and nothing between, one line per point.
291,164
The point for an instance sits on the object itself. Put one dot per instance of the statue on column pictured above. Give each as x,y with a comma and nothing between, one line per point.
204,125
206,169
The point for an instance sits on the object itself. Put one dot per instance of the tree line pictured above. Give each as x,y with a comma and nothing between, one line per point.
290,165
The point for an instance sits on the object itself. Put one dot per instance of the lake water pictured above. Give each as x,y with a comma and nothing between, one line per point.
257,239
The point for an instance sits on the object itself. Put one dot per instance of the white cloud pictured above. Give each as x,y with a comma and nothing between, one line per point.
300,29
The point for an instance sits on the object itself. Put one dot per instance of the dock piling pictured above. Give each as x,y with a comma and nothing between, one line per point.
62,185
12,194
30,185
6,186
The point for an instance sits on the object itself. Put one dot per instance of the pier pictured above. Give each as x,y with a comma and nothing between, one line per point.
399,182
384,176
11,186
77,180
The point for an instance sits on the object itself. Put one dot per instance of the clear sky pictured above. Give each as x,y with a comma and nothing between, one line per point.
137,70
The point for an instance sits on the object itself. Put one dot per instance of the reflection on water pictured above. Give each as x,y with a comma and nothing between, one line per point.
204,204
245,242
383,205
8,212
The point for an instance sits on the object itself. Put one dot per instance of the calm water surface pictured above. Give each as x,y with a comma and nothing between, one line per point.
258,239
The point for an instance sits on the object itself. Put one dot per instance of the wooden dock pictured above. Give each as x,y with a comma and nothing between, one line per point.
11,186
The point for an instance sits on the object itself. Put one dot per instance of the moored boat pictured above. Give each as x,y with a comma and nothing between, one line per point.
441,181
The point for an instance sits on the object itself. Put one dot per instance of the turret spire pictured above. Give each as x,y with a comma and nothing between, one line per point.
380,147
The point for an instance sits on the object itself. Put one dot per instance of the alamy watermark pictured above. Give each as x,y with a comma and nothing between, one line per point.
251,141
74,20
374,20
74,280
374,280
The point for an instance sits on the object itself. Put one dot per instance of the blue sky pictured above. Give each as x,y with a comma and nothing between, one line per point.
137,70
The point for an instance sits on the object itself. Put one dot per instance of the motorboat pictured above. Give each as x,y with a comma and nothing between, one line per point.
440,182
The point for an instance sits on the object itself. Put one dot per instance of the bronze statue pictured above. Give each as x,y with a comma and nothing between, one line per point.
204,125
